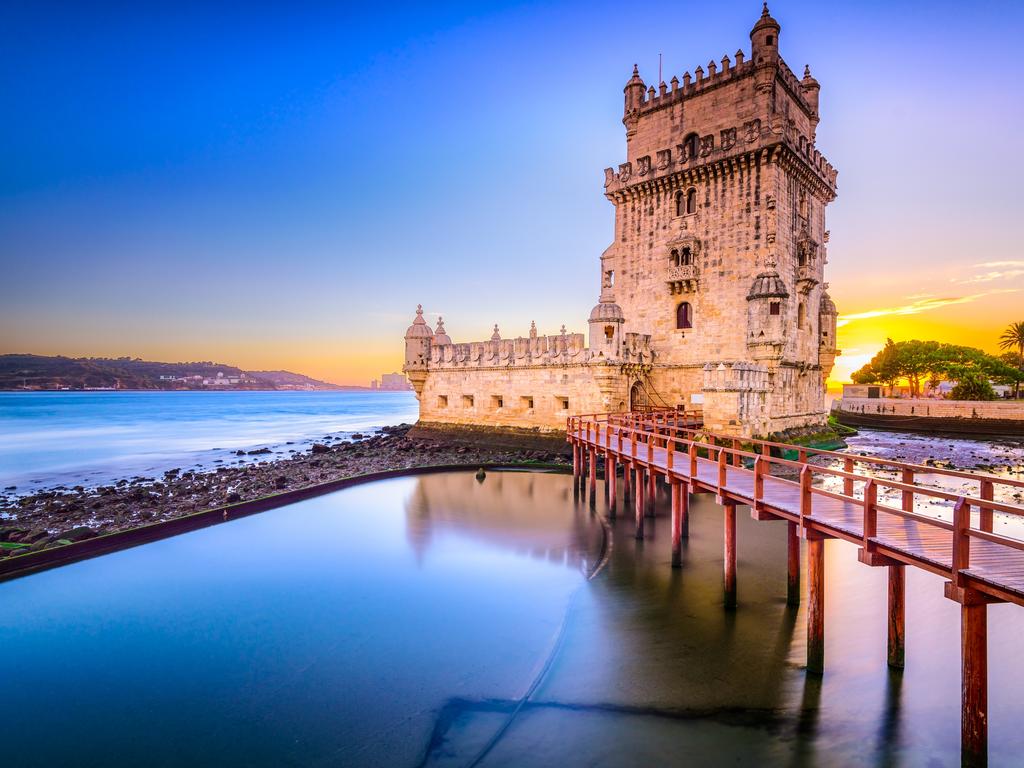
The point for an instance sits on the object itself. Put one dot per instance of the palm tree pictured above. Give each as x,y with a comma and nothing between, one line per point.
1013,339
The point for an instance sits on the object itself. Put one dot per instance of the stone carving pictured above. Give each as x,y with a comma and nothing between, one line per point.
609,177
625,172
753,130
707,145
664,159
643,165
728,138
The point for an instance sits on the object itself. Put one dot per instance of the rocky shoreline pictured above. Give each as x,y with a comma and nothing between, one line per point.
63,515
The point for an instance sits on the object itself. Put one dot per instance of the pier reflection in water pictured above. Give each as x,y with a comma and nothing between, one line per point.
403,622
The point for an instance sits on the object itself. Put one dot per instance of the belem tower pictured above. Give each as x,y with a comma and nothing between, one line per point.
712,293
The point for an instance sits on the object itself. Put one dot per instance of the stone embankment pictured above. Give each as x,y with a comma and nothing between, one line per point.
64,515
999,417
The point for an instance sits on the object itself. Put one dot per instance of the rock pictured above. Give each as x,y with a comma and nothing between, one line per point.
319,448
234,498
81,533
358,436
259,451
280,482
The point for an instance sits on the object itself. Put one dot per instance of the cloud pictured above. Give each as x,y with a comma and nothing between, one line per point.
987,277
921,305
988,264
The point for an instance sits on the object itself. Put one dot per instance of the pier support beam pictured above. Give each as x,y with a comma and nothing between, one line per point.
793,564
815,603
593,475
729,581
575,462
638,496
974,682
897,616
652,492
611,481
680,501
627,471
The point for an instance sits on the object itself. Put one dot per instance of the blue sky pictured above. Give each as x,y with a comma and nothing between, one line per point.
274,187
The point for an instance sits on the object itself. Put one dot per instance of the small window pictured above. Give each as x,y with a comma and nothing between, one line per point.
774,308
684,316
610,278
690,145
800,312
680,203
674,257
528,403
563,403
442,401
770,40
609,332
497,402
691,201
686,257
467,401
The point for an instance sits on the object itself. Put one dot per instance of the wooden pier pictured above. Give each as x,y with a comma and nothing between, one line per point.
980,566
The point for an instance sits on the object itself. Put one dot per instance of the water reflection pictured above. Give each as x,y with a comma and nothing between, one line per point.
439,620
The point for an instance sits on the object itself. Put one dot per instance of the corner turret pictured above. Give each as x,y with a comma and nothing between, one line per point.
811,89
417,350
767,310
634,91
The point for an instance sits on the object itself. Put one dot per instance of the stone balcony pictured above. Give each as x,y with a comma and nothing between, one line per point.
683,279
806,278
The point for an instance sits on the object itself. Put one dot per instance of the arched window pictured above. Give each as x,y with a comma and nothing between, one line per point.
800,315
686,258
674,258
684,315
691,201
690,146
680,203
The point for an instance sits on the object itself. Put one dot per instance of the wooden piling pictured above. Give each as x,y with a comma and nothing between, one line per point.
897,616
729,509
677,523
575,461
611,479
974,683
815,604
685,513
652,491
638,494
793,564
593,474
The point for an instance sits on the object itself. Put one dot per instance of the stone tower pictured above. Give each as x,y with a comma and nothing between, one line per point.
719,248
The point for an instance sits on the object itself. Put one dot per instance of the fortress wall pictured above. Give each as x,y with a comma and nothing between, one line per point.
446,393
959,409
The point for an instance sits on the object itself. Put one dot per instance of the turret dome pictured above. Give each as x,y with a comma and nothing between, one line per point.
765,22
440,337
828,307
607,312
419,328
768,285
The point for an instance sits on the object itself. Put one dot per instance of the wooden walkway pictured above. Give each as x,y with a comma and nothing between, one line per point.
980,566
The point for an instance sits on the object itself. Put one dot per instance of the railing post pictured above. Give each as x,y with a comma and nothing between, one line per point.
870,511
758,482
805,494
693,460
721,476
848,481
908,496
961,540
669,452
987,494
736,460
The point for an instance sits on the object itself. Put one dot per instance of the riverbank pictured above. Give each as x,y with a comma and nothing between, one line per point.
63,515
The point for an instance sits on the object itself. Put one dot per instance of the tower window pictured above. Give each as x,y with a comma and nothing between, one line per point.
563,403
684,316
690,146
686,258
691,201
609,332
680,204
674,257
774,308
528,403
497,402
770,40
800,312
467,401
442,401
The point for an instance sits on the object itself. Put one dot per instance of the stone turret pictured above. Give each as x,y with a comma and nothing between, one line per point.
767,314
418,337
440,336
606,321
827,352
764,49
811,90
634,91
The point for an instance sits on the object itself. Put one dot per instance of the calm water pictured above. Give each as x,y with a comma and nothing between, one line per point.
47,438
402,623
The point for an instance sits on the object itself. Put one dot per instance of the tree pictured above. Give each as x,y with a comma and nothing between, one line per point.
1012,339
973,386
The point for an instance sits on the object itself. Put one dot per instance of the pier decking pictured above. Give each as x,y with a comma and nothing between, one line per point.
980,566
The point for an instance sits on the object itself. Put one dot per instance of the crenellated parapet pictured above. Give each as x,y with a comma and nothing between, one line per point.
749,143
735,377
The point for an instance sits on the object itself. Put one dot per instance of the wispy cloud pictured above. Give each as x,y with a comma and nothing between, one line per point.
990,264
988,277
916,307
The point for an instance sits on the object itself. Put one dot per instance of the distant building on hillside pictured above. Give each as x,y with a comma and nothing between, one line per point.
394,382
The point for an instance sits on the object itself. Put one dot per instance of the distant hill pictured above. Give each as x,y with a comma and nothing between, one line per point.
43,372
